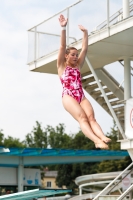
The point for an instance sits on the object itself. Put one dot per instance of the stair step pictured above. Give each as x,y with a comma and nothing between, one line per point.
88,80
106,90
90,85
86,74
110,197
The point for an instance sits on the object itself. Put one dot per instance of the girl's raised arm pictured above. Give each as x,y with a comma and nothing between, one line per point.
62,49
84,46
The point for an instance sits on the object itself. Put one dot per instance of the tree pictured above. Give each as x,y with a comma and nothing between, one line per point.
37,137
113,165
66,175
57,138
114,145
1,137
13,142
80,141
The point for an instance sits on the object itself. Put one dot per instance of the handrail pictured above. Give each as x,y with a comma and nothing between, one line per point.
119,12
113,181
120,181
125,193
45,33
55,14
34,29
105,96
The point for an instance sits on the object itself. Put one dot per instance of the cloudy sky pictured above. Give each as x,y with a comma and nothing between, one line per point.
25,96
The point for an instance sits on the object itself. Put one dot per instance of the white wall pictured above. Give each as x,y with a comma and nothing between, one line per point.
8,176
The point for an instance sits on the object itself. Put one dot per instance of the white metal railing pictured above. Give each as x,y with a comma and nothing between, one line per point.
42,42
116,17
125,193
36,34
110,184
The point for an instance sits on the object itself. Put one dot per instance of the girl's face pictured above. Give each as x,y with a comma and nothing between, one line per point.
72,57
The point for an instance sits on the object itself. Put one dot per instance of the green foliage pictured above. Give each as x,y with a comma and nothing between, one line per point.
10,141
37,138
113,165
57,138
79,141
67,174
13,142
1,137
114,145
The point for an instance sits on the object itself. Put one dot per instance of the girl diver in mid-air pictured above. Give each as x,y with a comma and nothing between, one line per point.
74,101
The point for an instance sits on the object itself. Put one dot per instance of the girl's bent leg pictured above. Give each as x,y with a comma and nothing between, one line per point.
74,108
87,107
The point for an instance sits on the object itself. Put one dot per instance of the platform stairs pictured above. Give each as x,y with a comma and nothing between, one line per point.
112,89
113,189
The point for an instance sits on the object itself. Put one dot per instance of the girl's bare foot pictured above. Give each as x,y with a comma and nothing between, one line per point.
100,144
106,139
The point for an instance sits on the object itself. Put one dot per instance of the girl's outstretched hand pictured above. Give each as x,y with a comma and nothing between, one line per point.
62,20
82,28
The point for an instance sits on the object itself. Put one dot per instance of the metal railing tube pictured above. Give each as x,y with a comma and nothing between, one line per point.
113,181
56,14
108,12
35,45
126,192
67,39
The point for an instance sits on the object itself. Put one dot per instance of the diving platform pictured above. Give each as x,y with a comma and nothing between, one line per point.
110,42
105,46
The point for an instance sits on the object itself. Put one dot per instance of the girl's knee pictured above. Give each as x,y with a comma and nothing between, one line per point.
91,118
83,117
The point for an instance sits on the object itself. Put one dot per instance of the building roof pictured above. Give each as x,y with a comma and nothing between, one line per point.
37,156
50,173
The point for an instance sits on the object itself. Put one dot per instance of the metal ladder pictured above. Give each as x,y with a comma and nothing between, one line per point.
112,89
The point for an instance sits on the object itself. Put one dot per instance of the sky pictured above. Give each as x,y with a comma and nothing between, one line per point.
27,97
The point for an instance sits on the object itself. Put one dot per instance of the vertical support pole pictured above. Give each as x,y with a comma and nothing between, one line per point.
67,43
35,45
130,195
108,13
38,42
127,83
127,79
126,11
80,191
127,90
20,174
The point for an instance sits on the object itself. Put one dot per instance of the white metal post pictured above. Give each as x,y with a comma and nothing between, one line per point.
67,27
127,84
108,12
127,79
20,175
126,12
35,45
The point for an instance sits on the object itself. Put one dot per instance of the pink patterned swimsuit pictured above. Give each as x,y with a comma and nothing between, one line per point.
72,86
